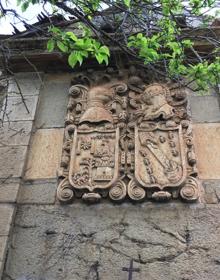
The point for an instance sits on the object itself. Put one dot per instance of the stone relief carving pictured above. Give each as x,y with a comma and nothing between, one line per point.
127,138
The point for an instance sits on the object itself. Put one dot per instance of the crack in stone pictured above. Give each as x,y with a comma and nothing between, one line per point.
143,244
107,247
168,258
25,226
216,261
199,248
88,236
170,233
50,232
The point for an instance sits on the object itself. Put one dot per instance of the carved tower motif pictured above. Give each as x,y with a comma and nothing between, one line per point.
127,138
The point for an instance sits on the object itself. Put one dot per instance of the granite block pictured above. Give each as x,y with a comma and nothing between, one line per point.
14,109
45,154
12,161
15,133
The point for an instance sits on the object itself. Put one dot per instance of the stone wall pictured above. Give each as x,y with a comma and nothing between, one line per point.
41,239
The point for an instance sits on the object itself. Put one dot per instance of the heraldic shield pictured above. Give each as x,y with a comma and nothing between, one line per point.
90,160
126,138
94,159
159,157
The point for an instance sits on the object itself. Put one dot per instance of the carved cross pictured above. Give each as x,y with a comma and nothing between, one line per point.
130,270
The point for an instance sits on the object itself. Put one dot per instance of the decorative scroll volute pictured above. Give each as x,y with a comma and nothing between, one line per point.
125,138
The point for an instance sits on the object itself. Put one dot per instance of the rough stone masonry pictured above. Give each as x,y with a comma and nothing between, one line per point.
42,239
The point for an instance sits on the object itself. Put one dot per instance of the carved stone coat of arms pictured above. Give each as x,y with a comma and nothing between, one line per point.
126,138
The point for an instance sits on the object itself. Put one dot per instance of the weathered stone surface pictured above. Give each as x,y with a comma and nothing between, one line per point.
9,192
45,153
16,110
15,133
3,247
211,188
207,139
6,218
29,83
205,108
1,268
7,213
217,191
12,161
95,242
42,192
53,101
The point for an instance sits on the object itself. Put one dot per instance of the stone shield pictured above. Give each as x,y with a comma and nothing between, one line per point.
94,159
159,157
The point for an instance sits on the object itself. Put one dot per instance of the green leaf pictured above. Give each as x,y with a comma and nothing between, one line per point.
54,29
104,50
72,59
72,36
100,57
50,45
96,44
84,53
62,46
127,3
79,58
131,38
187,43
106,60
152,54
87,43
80,43
24,6
139,36
143,52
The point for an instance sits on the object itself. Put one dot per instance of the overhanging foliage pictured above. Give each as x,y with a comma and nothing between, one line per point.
157,35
